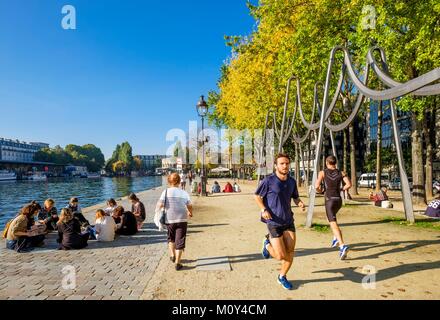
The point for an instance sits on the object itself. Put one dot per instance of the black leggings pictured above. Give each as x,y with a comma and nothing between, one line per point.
332,206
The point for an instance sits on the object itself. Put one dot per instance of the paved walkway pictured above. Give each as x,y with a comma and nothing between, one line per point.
116,270
406,259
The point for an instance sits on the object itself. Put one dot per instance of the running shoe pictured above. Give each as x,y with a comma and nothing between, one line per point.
343,252
179,266
285,283
264,252
335,243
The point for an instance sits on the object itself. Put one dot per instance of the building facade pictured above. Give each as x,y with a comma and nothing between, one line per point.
403,122
151,162
19,151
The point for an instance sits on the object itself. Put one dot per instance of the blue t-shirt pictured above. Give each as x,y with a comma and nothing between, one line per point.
277,197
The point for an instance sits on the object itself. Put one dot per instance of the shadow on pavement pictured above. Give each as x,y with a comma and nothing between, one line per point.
381,275
409,245
147,235
206,225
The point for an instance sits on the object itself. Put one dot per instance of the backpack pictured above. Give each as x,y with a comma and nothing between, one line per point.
6,229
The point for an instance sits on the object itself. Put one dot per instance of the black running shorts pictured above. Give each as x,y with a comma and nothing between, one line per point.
332,206
277,231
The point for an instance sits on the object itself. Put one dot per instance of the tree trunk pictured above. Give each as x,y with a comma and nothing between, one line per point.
428,130
354,190
367,120
379,147
419,195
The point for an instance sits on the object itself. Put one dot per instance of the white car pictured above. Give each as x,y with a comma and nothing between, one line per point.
368,180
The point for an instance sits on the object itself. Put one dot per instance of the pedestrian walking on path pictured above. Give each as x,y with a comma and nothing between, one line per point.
178,208
274,196
333,179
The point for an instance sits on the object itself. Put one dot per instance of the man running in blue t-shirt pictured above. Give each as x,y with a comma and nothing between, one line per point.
274,196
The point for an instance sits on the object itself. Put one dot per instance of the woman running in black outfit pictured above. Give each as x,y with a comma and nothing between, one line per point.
333,178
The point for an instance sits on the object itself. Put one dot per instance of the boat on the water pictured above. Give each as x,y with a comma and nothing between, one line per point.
6,175
93,175
37,176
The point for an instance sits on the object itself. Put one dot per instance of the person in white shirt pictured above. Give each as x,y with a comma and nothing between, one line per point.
178,208
236,187
183,181
105,226
112,205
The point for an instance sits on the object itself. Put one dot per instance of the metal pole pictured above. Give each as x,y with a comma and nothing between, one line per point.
263,145
332,139
203,158
406,192
312,193
306,175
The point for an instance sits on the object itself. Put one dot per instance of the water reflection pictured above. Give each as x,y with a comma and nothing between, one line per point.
15,194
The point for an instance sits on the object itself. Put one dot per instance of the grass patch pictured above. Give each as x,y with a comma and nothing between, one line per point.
320,227
420,223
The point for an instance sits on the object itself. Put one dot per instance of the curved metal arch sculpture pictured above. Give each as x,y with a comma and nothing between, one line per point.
420,86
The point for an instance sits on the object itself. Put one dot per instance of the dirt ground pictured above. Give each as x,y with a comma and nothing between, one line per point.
385,261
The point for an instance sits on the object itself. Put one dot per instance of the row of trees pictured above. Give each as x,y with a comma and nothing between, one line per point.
296,36
88,155
122,161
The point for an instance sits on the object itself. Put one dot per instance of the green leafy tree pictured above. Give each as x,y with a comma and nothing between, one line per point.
138,164
296,36
125,155
122,153
119,167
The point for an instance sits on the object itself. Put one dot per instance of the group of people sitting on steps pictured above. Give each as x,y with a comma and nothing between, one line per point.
30,227
229,188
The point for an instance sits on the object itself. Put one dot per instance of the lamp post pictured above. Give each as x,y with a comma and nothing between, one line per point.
202,110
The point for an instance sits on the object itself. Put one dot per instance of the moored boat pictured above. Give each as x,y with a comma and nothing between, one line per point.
6,175
37,176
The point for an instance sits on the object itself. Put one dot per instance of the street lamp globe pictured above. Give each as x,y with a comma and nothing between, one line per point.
202,107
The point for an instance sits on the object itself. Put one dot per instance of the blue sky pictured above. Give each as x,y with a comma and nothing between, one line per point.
131,70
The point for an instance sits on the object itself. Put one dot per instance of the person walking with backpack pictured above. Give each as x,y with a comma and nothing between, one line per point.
178,208
333,179
274,196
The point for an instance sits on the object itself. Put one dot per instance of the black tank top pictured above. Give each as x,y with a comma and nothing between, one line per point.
332,180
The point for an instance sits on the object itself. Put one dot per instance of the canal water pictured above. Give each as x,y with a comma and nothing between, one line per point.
15,194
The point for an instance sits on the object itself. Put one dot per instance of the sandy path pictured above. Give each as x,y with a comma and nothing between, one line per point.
406,259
